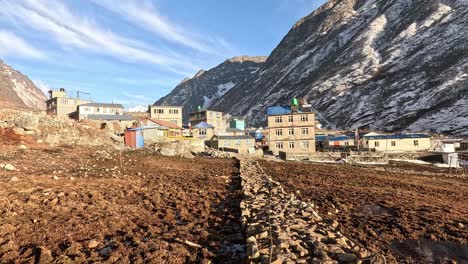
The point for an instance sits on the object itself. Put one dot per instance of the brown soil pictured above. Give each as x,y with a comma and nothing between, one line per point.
405,216
98,211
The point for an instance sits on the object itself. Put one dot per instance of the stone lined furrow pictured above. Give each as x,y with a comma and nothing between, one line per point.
282,229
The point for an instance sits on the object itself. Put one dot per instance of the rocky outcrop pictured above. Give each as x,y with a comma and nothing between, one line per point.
206,87
283,229
17,90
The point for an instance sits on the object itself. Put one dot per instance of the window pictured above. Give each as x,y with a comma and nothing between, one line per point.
304,118
291,144
98,109
290,119
376,144
279,145
416,143
305,145
291,131
305,131
279,132
173,111
238,143
393,143
346,143
174,122
226,143
202,132
278,119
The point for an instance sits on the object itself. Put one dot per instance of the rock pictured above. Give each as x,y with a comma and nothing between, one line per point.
23,147
18,131
345,257
45,255
167,152
9,167
93,243
55,177
13,179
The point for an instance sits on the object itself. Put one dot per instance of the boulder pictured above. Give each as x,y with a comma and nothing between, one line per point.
9,167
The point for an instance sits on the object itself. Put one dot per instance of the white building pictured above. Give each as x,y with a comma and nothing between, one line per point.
85,111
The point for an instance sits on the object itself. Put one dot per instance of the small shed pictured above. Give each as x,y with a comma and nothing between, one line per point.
134,137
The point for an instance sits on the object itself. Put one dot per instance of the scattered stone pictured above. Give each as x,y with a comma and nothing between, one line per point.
93,243
9,167
14,179
55,177
23,147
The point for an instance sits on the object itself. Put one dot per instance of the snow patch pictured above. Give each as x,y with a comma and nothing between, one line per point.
442,10
138,108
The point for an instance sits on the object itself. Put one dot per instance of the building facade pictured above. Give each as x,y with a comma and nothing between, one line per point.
172,114
237,123
341,141
214,118
240,144
203,131
59,104
397,142
85,111
290,131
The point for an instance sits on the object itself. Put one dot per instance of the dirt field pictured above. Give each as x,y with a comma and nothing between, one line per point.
407,217
96,210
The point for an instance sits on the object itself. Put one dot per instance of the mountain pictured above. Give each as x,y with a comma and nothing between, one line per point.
395,65
138,108
17,90
206,87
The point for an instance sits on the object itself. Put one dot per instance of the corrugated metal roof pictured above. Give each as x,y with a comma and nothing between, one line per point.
103,105
338,138
164,123
203,124
396,136
111,117
235,137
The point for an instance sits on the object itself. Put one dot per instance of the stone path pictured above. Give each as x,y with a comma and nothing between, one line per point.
282,229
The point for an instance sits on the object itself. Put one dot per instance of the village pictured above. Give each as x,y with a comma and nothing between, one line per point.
292,133
88,182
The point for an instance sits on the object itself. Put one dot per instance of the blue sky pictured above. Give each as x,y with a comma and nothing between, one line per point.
136,51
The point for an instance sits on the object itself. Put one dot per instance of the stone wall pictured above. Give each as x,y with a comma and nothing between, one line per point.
283,229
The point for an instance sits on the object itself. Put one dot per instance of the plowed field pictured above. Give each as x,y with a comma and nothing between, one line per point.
406,217
81,205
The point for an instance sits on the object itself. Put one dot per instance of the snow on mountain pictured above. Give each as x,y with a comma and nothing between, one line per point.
397,65
138,108
207,87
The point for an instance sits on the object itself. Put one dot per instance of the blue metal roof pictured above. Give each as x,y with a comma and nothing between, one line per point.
320,138
203,124
279,110
338,138
397,136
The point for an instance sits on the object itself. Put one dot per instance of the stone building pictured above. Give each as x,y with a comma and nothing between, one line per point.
214,118
172,114
240,144
59,104
290,130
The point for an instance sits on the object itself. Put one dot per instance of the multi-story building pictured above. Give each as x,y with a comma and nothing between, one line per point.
237,123
290,130
241,144
172,114
59,104
214,118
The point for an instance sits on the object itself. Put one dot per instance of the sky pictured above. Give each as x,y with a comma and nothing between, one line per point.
135,51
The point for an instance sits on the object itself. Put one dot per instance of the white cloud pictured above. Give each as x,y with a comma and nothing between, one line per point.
42,86
12,45
143,14
71,31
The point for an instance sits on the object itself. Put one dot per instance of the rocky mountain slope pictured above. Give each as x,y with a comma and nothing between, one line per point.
206,87
17,90
396,65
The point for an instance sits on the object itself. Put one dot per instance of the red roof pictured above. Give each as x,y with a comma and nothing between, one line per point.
164,123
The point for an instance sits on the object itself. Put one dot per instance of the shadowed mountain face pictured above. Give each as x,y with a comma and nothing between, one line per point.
17,90
207,87
395,65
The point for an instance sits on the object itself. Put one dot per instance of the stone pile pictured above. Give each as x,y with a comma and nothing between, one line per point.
282,229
